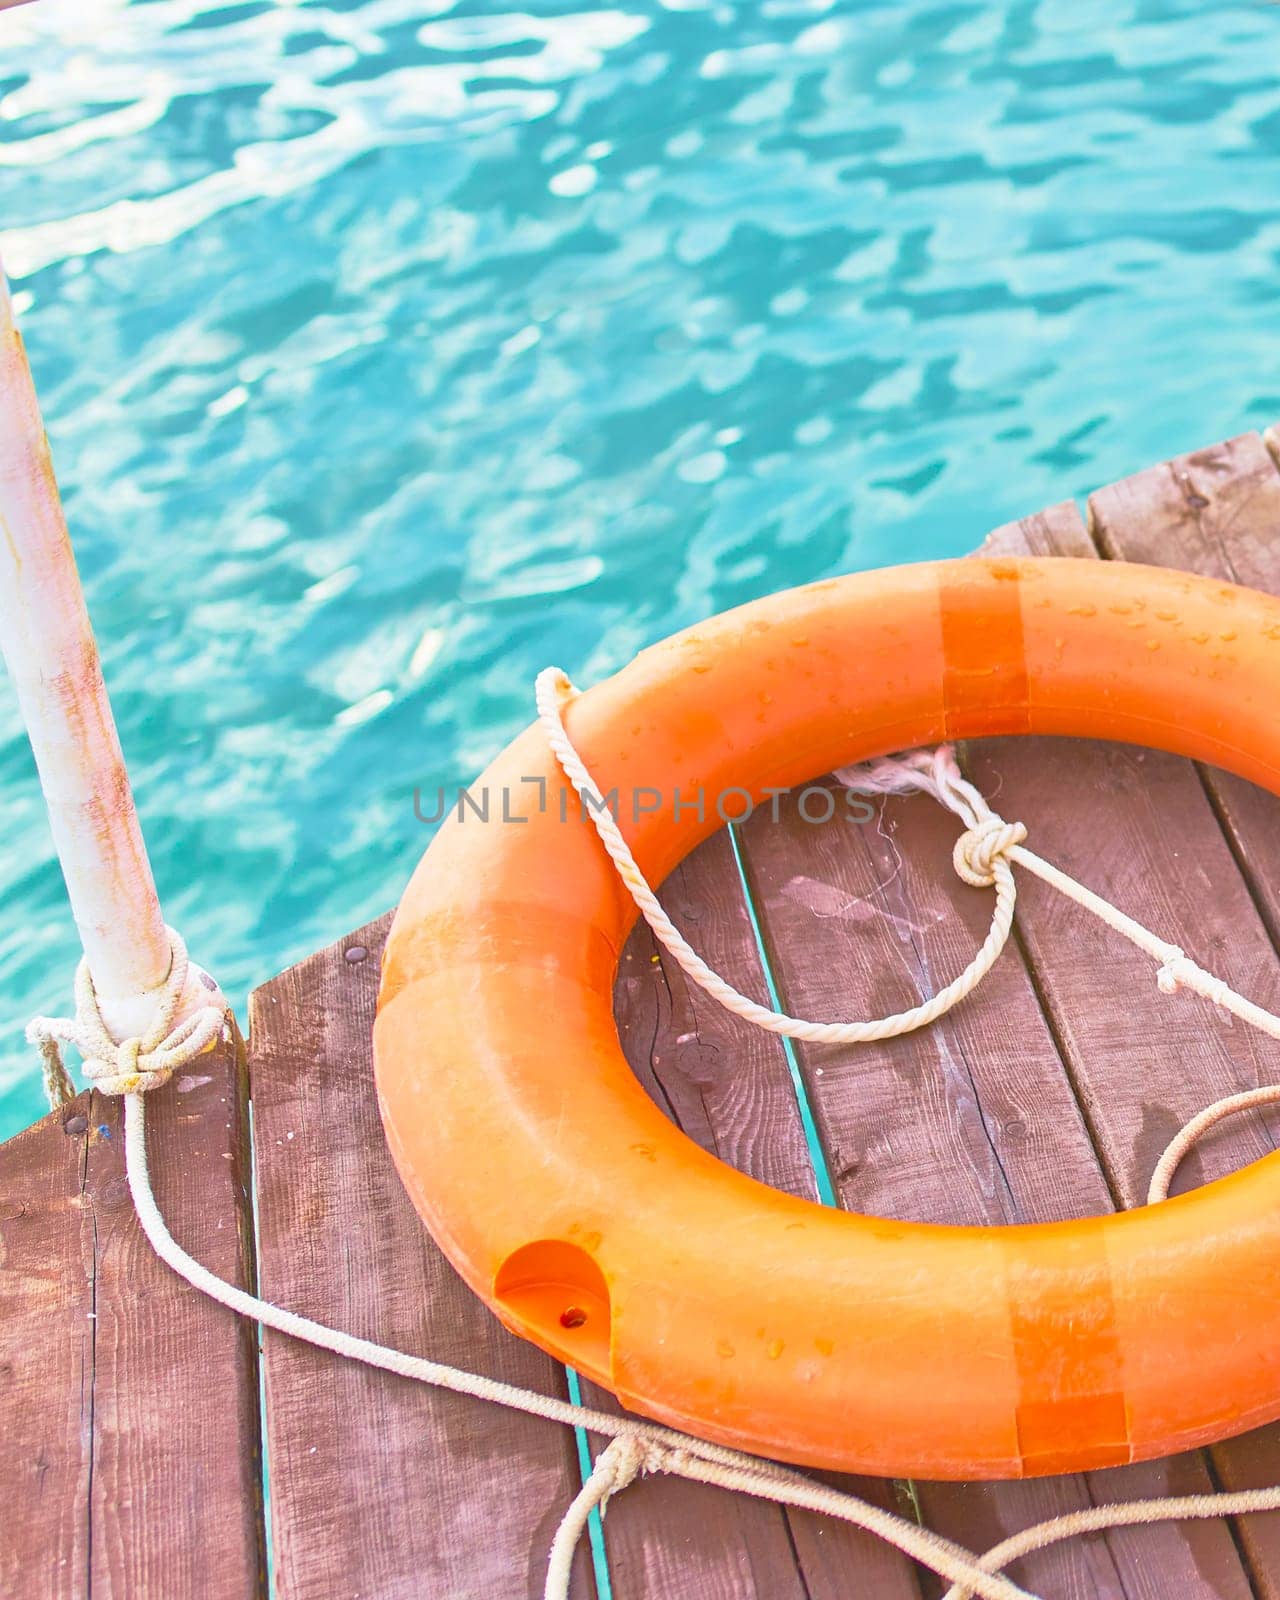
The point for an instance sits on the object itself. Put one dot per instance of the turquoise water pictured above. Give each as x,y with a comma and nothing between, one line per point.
391,350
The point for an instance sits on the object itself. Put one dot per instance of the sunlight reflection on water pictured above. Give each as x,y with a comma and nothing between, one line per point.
391,350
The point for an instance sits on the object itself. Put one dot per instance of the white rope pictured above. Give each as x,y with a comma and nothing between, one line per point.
981,858
133,1067
622,1460
1195,1130
129,1066
655,1448
936,772
1124,1514
640,1447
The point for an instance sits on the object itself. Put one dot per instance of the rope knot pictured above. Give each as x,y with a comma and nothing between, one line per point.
125,1066
131,1068
1175,970
624,1459
1179,971
981,848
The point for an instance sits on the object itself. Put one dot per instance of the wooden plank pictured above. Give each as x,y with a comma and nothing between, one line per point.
728,1086
971,1120
131,1462
1217,512
380,1487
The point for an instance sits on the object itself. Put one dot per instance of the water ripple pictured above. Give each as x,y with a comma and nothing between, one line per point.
392,349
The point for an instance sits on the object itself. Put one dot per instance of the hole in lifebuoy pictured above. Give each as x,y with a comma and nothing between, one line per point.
551,1289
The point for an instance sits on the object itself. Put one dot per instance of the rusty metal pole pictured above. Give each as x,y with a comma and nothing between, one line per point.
49,648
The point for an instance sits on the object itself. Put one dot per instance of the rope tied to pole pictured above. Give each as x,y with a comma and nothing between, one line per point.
135,1065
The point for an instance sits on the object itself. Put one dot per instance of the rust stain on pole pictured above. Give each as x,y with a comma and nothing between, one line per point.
53,660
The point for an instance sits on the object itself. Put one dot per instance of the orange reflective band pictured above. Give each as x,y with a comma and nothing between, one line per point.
986,669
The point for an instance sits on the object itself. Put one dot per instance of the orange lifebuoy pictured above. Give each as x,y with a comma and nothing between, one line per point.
592,1226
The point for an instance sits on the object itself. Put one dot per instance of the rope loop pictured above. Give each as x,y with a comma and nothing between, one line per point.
934,772
558,683
135,1065
983,857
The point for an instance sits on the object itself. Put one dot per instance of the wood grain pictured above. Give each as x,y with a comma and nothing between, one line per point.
380,1487
130,1460
972,1120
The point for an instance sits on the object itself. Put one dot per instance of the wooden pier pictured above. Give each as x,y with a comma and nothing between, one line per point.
136,1416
